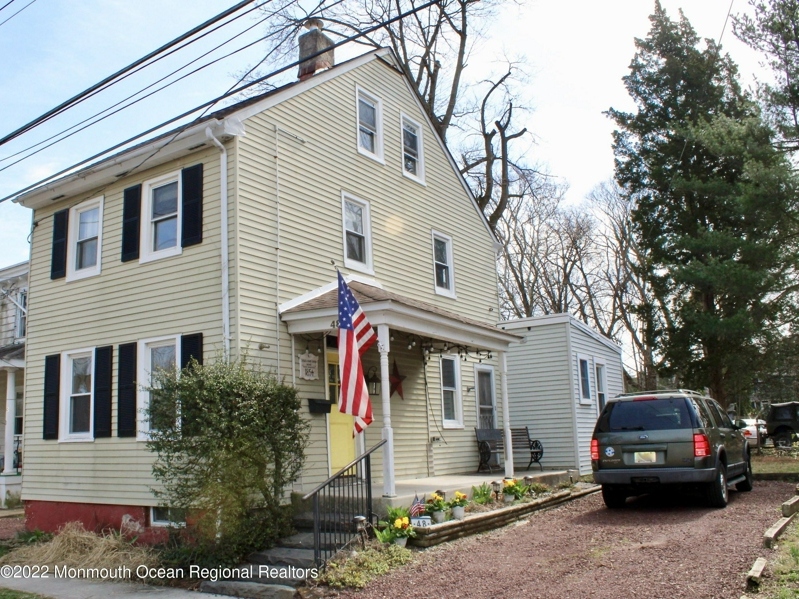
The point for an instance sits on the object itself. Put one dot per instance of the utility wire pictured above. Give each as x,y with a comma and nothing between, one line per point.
16,13
6,4
218,99
122,71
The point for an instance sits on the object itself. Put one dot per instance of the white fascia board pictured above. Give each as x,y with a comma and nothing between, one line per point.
16,364
319,291
111,169
12,274
520,324
404,318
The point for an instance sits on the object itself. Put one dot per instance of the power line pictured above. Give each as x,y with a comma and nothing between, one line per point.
6,4
231,92
74,99
16,13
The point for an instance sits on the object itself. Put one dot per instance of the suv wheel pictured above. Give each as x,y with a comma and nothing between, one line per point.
748,482
783,439
717,493
613,497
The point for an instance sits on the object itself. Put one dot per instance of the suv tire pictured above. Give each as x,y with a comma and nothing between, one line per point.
717,493
783,439
748,483
613,497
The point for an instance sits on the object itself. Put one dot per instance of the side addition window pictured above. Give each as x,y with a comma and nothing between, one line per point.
370,126
85,239
452,409
357,234
584,372
443,265
21,329
601,386
412,154
161,217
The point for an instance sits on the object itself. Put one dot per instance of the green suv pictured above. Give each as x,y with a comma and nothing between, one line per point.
644,441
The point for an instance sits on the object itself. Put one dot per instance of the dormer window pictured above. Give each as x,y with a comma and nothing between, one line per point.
370,126
412,155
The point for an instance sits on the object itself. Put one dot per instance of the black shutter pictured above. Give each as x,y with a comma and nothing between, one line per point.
191,346
58,262
52,377
126,391
192,225
103,357
131,211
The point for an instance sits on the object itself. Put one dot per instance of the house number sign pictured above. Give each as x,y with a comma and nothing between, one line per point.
309,366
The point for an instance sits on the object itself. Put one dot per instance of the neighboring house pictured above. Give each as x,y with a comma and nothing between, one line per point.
559,377
223,241
13,329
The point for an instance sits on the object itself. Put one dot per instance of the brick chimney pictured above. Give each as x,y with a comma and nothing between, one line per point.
311,42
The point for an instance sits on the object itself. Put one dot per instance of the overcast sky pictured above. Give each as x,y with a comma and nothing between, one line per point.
574,52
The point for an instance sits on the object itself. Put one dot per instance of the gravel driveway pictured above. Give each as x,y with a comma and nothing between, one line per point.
655,548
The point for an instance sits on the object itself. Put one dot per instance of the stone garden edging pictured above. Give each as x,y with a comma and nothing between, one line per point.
482,522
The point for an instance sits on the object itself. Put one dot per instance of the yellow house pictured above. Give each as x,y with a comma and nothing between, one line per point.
221,236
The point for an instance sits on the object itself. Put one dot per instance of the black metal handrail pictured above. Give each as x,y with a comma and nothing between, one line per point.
339,504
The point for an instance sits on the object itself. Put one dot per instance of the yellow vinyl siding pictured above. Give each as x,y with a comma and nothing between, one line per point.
126,302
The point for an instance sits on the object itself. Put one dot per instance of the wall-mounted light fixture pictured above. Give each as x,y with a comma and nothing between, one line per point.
373,381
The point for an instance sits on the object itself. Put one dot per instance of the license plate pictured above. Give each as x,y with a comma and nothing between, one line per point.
645,457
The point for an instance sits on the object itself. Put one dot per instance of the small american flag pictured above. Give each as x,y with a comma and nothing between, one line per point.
355,336
417,507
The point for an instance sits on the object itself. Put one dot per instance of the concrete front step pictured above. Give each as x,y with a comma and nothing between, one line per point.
250,590
299,558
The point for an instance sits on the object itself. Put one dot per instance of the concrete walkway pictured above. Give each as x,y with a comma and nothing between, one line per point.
61,588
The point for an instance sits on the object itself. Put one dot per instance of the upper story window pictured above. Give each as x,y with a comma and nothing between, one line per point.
161,215
412,154
443,264
21,328
77,393
452,408
85,239
357,234
370,125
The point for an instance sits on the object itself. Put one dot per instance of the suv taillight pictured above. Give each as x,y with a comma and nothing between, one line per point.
701,446
594,449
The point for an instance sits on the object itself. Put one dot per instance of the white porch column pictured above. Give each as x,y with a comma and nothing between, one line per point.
11,417
503,376
383,345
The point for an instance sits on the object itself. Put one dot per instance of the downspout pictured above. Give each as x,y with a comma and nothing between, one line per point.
223,208
277,250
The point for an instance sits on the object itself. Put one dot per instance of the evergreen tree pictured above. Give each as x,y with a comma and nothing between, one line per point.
713,208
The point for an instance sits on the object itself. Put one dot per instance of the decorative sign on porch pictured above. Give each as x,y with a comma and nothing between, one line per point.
309,366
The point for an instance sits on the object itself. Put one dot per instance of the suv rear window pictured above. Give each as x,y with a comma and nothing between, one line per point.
647,415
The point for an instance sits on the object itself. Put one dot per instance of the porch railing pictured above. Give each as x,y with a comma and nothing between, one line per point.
341,505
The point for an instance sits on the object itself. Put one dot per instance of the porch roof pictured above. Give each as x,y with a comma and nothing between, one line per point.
12,356
319,313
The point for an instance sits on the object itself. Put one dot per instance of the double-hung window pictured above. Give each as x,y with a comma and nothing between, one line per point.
161,207
601,385
584,374
155,355
412,151
443,265
78,395
85,239
357,234
452,408
370,125
21,325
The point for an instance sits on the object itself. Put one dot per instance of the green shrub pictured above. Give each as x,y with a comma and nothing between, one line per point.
357,571
482,494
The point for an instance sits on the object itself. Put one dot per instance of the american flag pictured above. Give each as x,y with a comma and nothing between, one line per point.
355,336
417,507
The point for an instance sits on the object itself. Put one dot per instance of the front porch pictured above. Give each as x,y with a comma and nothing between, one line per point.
12,365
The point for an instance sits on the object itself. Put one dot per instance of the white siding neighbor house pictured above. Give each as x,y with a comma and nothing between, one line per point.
559,377
13,329
219,237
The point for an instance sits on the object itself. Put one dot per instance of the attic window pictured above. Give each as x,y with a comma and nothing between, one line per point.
412,155
370,125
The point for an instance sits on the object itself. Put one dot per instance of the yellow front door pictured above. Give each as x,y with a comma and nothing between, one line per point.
341,441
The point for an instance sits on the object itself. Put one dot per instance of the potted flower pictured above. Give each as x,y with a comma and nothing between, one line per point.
458,505
402,530
437,508
513,490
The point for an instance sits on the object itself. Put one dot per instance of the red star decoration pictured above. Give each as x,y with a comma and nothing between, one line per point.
396,382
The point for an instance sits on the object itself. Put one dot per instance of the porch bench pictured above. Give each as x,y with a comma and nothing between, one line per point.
491,442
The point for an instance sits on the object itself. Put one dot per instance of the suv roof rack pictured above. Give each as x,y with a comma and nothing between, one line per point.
661,392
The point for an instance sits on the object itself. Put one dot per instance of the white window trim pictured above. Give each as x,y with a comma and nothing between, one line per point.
64,436
19,316
146,254
586,401
597,363
163,523
490,369
378,154
72,240
458,422
419,136
143,377
367,267
450,258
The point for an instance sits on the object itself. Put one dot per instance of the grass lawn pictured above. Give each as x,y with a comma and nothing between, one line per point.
771,463
783,569
8,594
